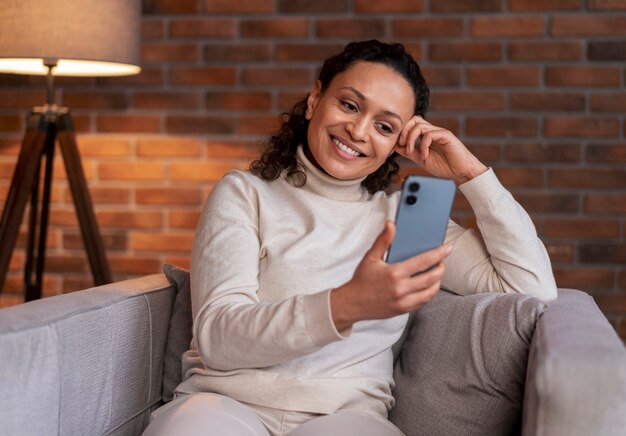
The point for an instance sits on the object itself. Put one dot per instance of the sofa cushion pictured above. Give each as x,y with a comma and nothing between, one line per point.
179,335
463,365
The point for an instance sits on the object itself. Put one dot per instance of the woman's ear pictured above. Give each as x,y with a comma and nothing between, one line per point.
314,96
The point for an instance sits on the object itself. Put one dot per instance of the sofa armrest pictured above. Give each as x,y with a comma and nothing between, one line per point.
87,362
576,376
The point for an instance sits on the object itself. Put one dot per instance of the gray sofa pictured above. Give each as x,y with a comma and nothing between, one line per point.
99,361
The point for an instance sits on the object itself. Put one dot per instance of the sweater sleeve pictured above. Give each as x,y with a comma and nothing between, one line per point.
232,328
508,258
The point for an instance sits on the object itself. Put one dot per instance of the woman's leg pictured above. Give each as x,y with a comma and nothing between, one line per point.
204,414
347,422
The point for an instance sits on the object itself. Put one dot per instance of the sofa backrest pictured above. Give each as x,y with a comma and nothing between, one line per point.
89,362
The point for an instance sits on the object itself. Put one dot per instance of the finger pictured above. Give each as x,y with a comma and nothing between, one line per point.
415,300
425,260
424,280
384,240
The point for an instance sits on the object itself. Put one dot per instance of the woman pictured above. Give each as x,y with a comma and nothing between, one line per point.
295,310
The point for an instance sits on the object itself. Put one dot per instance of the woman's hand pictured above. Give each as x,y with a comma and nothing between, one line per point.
379,290
439,152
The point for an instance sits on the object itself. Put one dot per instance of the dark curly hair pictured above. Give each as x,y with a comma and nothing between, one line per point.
280,152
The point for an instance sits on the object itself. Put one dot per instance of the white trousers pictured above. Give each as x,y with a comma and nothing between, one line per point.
206,414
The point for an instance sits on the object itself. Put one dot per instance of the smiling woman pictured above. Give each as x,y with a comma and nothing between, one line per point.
294,308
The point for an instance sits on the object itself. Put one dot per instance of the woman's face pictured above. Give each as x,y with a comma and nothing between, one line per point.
356,122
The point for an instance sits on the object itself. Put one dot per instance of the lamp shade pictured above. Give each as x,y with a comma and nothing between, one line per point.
82,37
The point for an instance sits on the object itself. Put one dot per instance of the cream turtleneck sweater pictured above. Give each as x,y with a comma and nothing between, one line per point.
267,254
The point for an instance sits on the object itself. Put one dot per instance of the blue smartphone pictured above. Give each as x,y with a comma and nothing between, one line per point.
422,217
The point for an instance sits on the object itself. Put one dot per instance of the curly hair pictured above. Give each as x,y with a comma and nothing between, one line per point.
280,152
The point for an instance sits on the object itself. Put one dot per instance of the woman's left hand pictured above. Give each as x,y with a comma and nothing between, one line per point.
439,152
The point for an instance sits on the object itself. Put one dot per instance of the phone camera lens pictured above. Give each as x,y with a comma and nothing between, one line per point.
414,187
411,199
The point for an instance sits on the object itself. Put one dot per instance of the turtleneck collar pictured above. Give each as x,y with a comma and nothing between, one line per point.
320,183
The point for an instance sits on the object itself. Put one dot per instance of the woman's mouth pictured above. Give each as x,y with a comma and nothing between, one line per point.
343,147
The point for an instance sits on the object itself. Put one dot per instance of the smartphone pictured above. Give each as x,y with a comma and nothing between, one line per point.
422,216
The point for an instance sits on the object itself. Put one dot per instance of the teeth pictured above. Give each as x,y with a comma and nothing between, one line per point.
345,148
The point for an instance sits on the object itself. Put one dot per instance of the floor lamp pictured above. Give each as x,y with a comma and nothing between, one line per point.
59,38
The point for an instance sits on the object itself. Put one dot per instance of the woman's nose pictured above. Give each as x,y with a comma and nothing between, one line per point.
357,128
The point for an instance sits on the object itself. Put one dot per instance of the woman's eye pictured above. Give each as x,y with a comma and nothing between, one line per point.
385,128
349,106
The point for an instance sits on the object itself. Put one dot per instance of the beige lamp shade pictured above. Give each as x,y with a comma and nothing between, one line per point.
82,37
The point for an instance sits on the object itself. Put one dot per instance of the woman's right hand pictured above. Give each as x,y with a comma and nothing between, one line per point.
379,290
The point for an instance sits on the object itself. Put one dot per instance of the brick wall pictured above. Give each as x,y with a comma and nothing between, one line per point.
534,87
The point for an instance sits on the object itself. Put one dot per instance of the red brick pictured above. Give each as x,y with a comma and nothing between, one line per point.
544,5
504,76
611,303
587,178
275,28
130,219
129,123
427,27
501,126
65,218
467,101
149,241
582,76
239,100
547,101
96,100
287,99
10,300
258,124
606,50
169,196
560,252
152,29
612,102
507,26
622,282
306,52
10,123
168,147
237,52
581,126
171,7
272,76
584,278
180,261
134,264
548,202
82,123
605,203
447,122
388,6
58,172
581,228
203,76
10,146
466,6
442,76
545,50
521,177
241,150
111,241
591,25
202,28
169,52
309,7
543,152
607,153
166,100
602,253
183,219
147,77
201,171
617,5
21,99
131,171
189,124
103,146
485,152
106,195
238,7
465,51
415,49
352,28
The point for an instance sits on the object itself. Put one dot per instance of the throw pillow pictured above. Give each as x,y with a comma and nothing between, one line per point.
463,366
180,330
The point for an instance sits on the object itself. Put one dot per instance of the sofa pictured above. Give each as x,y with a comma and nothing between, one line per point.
99,361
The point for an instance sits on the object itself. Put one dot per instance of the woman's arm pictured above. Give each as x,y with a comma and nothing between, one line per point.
232,329
509,257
